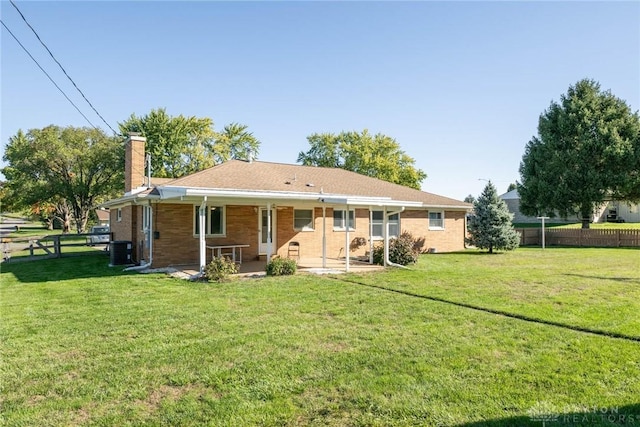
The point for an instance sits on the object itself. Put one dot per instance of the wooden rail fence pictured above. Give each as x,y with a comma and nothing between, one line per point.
579,237
55,246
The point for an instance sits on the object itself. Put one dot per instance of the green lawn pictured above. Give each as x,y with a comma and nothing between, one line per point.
83,344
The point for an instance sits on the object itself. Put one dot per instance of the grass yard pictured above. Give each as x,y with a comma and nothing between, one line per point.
83,344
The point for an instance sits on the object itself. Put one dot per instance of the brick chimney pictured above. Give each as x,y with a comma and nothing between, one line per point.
134,160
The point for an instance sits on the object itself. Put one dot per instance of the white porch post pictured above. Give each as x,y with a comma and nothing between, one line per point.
269,248
324,236
385,232
370,235
346,239
202,215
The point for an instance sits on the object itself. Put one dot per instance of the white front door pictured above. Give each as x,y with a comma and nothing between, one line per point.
263,226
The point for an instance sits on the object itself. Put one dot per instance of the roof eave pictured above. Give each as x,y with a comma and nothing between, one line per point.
130,199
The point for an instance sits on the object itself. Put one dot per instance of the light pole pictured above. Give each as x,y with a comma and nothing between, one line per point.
543,218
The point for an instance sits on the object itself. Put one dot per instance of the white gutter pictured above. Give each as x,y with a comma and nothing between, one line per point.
150,231
128,200
174,192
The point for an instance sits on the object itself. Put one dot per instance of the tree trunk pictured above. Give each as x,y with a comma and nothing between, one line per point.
64,215
587,212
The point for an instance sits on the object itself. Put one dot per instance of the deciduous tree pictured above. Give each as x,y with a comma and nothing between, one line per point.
80,166
181,145
378,156
236,142
587,151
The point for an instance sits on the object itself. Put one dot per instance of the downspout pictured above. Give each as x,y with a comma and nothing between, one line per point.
150,234
386,238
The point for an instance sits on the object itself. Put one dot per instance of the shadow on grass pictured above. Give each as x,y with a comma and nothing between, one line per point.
52,270
616,279
547,415
610,334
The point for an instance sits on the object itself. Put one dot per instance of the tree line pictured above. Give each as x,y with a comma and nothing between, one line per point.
63,173
586,152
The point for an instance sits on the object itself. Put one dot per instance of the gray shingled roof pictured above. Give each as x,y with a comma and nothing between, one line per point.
280,177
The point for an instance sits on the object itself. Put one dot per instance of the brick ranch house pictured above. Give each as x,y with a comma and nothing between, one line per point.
330,212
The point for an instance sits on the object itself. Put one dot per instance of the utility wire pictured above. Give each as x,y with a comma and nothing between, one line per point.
46,74
62,68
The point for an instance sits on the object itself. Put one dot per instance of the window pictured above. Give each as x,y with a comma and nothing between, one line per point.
339,220
214,220
119,215
436,220
303,219
377,224
146,218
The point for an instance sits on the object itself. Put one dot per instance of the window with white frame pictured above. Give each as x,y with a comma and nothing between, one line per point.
377,225
146,217
214,220
339,220
119,214
436,220
303,219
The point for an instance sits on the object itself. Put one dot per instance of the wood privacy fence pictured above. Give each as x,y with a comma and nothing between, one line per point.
580,237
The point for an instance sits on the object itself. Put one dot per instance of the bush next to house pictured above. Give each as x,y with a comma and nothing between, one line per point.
281,267
220,269
403,250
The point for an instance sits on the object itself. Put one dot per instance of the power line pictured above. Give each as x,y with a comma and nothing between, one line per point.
46,74
62,68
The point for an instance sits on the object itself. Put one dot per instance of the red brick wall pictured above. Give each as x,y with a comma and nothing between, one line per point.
415,221
133,163
178,245
121,229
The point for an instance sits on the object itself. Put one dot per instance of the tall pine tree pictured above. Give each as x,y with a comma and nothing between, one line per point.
490,226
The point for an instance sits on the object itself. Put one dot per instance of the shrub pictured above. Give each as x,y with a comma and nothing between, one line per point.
357,243
281,267
220,269
403,250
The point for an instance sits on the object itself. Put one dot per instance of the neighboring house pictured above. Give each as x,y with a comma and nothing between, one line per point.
329,212
512,199
618,211
610,211
103,216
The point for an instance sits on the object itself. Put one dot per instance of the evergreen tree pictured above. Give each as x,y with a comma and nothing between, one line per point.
587,152
490,226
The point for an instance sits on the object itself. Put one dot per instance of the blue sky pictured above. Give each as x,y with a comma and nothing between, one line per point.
459,85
